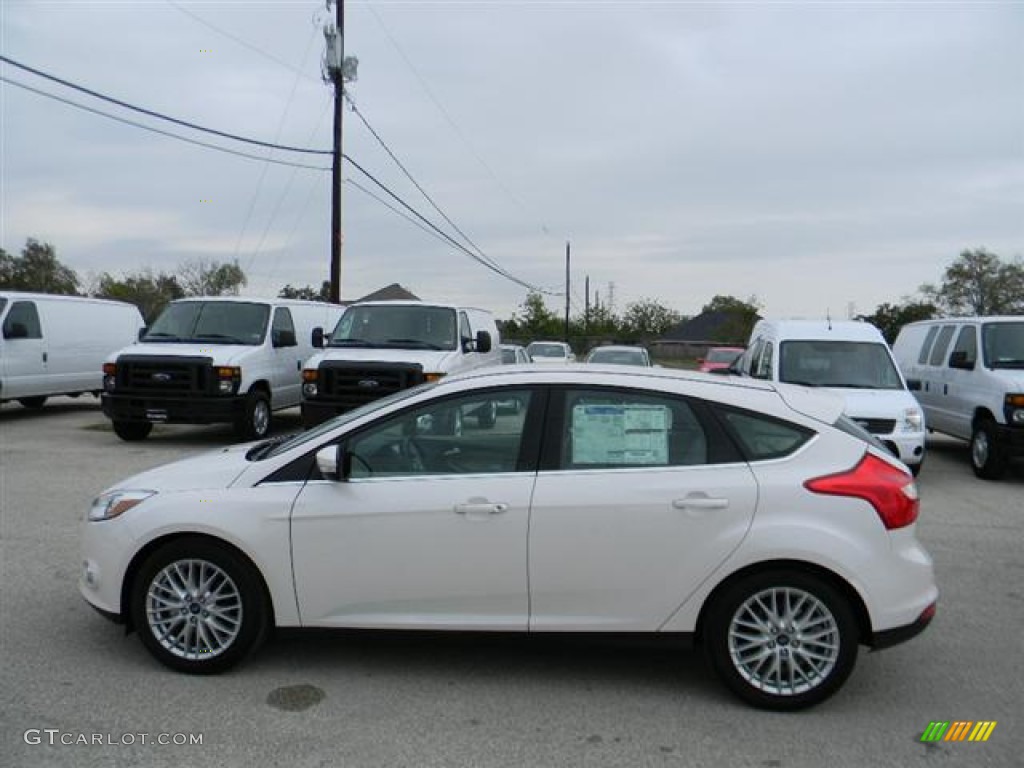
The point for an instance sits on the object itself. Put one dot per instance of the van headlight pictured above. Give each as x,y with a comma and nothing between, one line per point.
913,420
228,379
309,382
109,505
1014,410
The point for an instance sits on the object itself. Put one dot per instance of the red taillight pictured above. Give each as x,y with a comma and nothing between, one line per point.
889,490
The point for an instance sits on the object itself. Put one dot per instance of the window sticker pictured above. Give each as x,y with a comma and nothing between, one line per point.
620,434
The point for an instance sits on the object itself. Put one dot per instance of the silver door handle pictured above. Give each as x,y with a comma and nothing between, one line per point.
700,502
480,509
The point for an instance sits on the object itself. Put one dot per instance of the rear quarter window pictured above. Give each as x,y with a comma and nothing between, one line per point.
762,437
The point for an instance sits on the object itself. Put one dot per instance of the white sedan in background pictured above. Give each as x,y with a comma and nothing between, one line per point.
550,352
750,518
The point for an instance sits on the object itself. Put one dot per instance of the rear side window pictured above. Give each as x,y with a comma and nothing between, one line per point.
941,345
927,346
763,437
22,322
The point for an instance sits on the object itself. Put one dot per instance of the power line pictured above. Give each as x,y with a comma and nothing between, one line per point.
160,116
179,137
398,211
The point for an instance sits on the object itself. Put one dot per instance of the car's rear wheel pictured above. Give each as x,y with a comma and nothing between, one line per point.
987,457
782,640
198,606
131,431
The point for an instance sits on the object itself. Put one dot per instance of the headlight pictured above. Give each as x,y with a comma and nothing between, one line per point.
1017,417
913,420
110,505
309,389
109,382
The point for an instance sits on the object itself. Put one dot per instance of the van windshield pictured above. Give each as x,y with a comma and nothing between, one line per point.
1003,344
211,322
397,327
843,364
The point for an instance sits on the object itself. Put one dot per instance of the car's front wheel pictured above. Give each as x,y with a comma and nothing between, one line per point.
781,640
987,457
198,606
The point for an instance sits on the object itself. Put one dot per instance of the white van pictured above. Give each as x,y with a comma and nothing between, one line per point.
851,359
56,345
968,374
209,360
380,347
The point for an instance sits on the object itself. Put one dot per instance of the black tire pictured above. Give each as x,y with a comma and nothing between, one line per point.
915,469
823,658
254,423
988,458
487,415
33,402
132,431
184,634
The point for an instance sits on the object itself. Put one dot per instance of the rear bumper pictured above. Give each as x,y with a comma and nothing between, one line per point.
889,637
173,410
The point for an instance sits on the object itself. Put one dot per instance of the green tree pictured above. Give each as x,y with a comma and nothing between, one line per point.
307,292
647,318
37,269
889,318
536,321
149,292
203,277
742,317
978,282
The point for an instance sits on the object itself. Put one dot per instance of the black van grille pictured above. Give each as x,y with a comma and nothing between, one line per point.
876,426
172,375
351,384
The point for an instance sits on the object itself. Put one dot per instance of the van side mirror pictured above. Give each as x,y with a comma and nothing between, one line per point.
142,332
282,338
317,339
483,341
959,360
914,385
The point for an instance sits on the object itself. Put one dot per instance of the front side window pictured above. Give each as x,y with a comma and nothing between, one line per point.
211,322
611,430
1003,344
396,327
842,364
22,322
966,345
472,434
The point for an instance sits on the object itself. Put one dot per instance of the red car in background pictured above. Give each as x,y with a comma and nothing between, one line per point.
719,358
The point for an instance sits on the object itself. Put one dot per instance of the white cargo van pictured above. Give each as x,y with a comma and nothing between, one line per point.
380,347
851,359
968,374
56,345
209,360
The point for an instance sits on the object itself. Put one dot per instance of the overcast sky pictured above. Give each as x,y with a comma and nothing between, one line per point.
818,156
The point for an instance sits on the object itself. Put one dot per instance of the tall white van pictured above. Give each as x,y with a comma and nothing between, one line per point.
851,359
56,345
968,374
210,360
380,347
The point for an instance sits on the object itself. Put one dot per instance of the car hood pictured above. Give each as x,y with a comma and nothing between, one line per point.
1011,378
431,360
215,469
221,354
875,403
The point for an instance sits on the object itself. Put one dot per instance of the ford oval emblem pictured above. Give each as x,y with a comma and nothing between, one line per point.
369,383
163,378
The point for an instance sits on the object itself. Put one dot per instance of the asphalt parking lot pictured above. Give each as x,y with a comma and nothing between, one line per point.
333,699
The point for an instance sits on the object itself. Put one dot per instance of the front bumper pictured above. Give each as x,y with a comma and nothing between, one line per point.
173,410
318,411
1010,439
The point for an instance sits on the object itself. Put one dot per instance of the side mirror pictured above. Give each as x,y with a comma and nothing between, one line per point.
142,332
914,385
959,360
283,338
334,463
483,341
317,339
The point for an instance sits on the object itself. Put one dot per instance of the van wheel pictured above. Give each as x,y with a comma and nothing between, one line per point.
255,421
132,430
987,457
198,607
781,640
33,402
915,469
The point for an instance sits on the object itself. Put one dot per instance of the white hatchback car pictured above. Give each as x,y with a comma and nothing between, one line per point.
748,517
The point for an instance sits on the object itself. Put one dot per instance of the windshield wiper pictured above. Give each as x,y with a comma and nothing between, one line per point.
218,336
414,343
350,343
802,383
1008,364
161,336
260,450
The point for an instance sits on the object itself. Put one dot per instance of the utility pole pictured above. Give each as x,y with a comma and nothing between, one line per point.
335,36
566,291
586,311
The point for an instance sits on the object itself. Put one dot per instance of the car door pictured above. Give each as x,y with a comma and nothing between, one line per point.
24,352
961,391
639,501
429,530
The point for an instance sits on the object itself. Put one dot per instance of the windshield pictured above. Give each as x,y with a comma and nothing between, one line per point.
508,355
211,322
279,446
618,356
1003,344
845,364
545,350
401,327
723,355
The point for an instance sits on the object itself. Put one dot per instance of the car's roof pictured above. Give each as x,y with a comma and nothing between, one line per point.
840,330
618,348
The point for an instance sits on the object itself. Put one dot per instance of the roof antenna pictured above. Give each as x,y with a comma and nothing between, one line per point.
828,318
